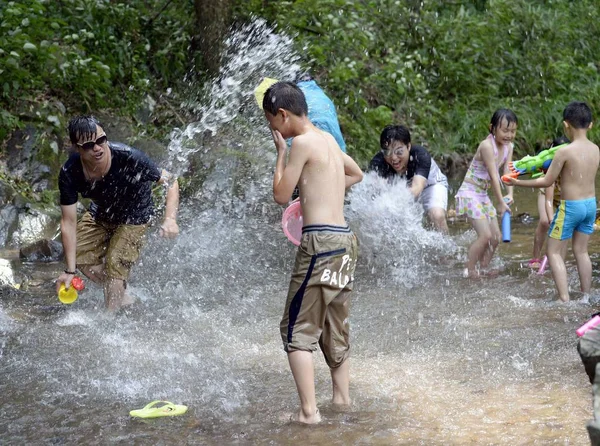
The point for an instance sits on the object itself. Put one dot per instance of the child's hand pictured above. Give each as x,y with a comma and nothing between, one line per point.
280,144
504,208
508,200
511,181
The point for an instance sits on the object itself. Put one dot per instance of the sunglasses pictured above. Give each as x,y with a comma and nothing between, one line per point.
398,151
89,145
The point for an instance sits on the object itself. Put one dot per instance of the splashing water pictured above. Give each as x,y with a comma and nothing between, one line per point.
252,53
434,360
393,240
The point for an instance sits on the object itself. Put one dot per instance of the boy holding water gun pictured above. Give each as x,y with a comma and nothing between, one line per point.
576,166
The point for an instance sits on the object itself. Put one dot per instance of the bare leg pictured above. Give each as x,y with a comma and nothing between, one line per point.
479,246
582,258
94,272
340,377
493,243
541,232
114,293
437,217
302,366
555,252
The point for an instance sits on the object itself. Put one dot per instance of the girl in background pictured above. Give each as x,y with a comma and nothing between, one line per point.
548,200
472,199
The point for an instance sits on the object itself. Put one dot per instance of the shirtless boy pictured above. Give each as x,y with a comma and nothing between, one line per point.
576,166
316,310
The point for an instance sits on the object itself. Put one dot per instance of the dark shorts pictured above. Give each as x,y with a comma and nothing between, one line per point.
116,246
316,309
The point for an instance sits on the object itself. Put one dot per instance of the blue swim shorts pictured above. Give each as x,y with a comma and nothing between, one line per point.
573,215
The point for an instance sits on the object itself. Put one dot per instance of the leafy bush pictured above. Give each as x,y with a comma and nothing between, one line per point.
88,54
443,67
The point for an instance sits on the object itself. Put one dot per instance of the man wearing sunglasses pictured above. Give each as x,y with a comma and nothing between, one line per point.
107,241
399,158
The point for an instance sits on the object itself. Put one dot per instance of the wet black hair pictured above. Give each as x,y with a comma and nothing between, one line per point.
394,133
499,115
82,126
559,141
286,95
578,115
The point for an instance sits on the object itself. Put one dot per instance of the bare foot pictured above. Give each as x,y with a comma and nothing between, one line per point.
474,274
491,272
128,300
341,401
311,419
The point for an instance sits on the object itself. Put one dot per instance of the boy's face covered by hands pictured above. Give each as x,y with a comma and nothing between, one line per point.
279,122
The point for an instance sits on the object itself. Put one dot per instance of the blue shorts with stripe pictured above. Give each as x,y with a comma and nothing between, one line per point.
573,215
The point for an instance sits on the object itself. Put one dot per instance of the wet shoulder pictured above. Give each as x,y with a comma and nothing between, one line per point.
580,152
485,145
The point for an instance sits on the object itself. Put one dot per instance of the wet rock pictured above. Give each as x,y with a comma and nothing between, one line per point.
7,193
24,306
7,276
44,250
8,222
31,226
593,429
525,218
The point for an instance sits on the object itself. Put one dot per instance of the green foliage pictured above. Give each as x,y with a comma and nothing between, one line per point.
88,53
443,67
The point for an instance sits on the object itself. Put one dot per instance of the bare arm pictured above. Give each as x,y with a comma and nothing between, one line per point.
417,185
353,173
170,228
286,177
509,189
68,229
489,160
548,199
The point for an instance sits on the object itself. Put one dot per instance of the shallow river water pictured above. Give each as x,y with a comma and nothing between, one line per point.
435,359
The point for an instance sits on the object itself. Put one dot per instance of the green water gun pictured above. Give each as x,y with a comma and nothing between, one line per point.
532,165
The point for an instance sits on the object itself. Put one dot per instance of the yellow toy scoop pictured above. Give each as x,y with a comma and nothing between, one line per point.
166,410
259,92
67,296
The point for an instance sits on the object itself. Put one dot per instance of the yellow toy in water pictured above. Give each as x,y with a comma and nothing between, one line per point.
69,295
168,409
259,92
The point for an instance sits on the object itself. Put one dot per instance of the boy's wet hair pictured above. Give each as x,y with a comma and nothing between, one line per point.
394,133
578,115
82,127
503,113
285,95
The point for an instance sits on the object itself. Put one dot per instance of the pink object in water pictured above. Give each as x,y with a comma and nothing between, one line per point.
292,222
543,266
592,323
